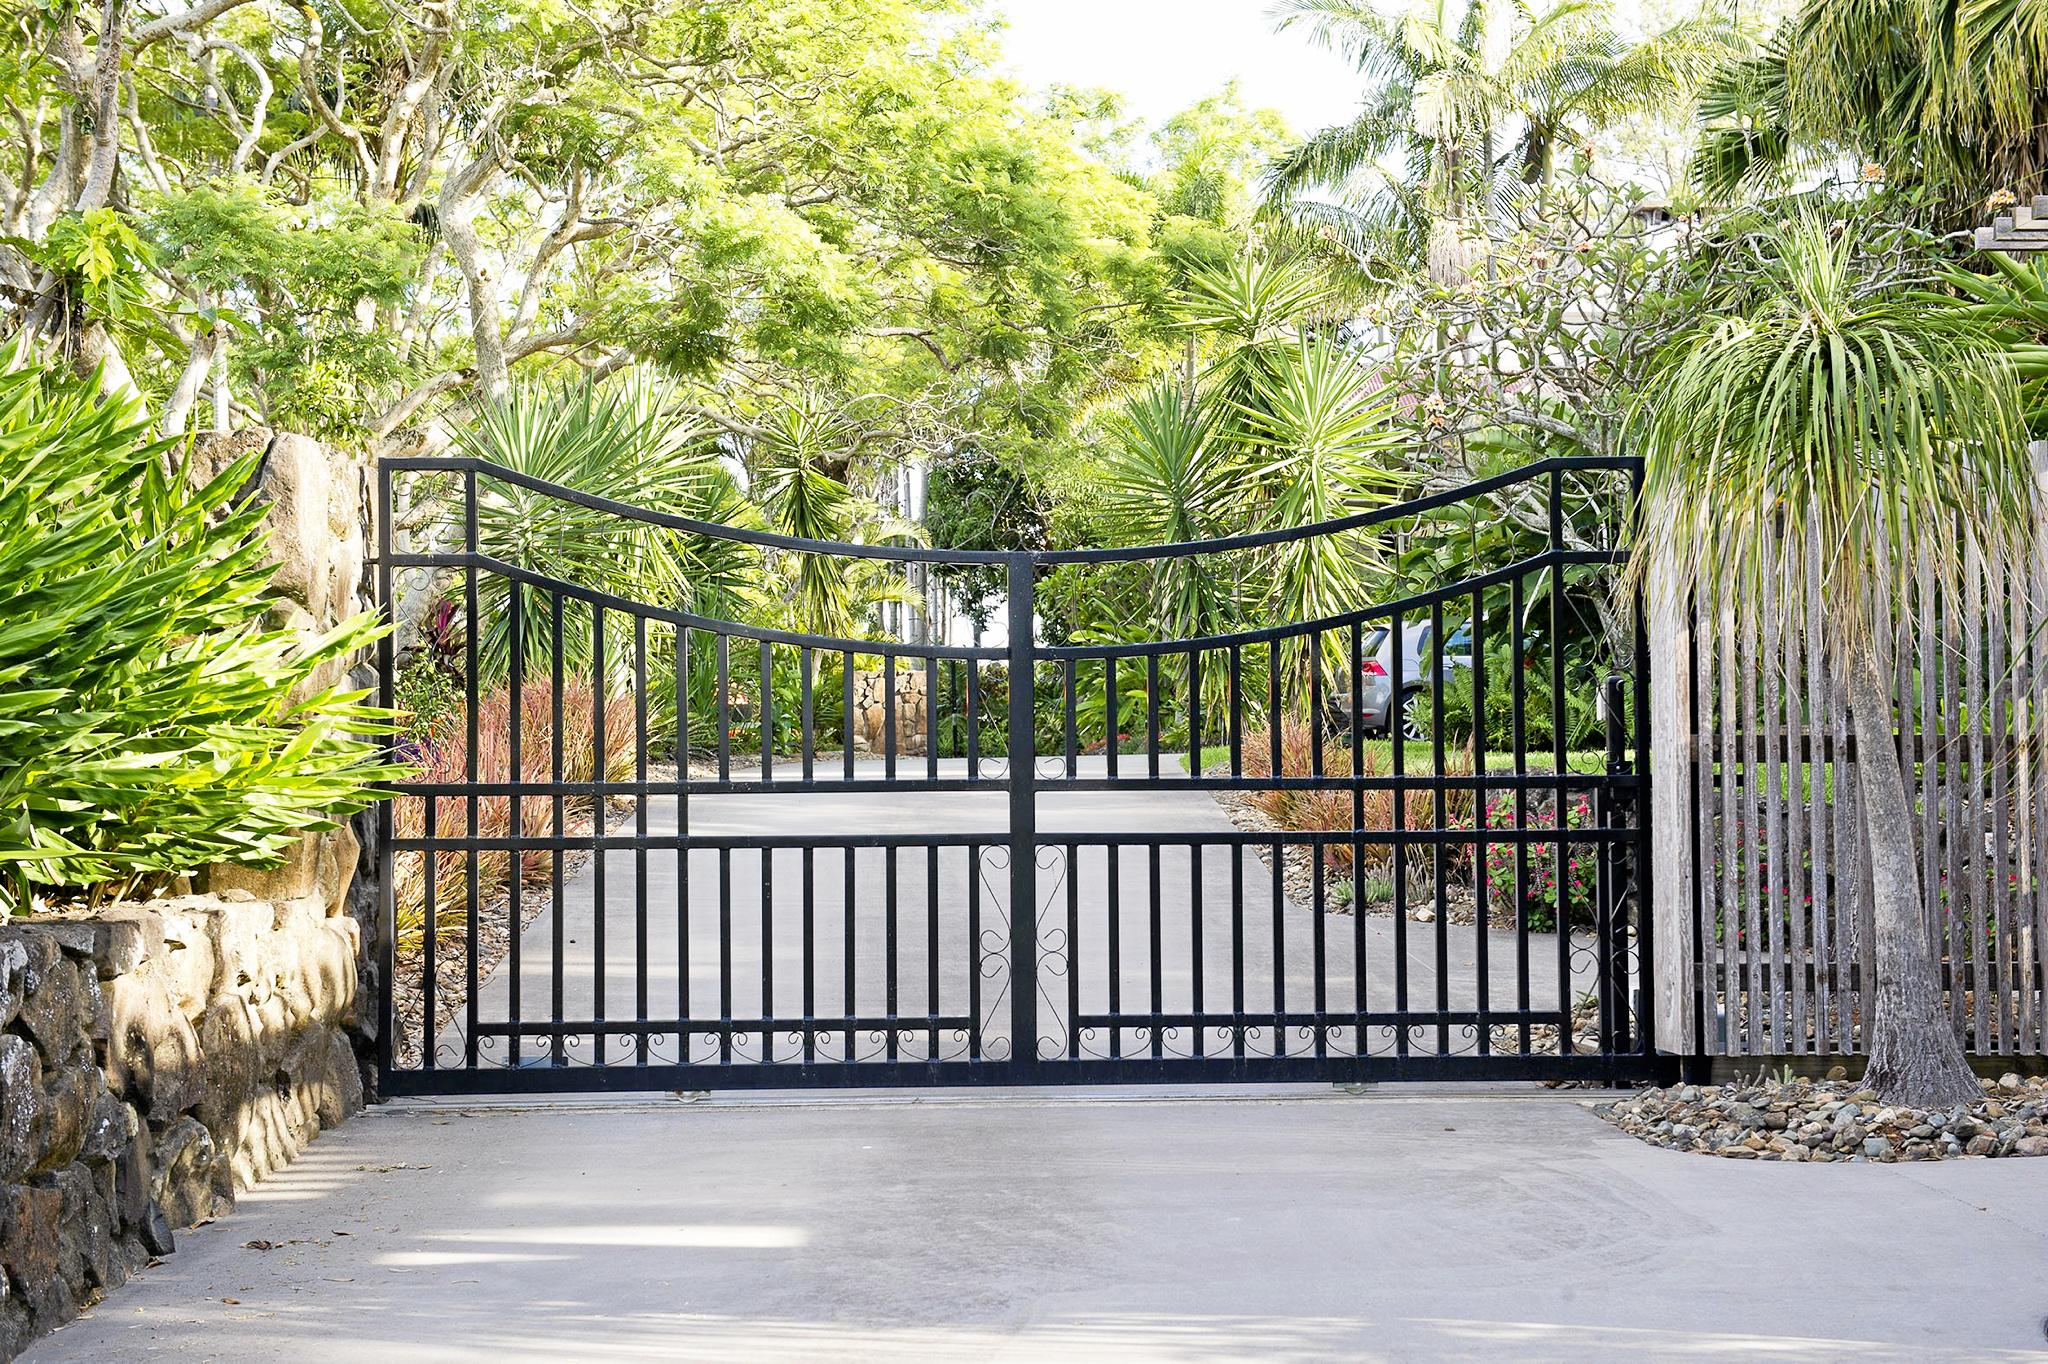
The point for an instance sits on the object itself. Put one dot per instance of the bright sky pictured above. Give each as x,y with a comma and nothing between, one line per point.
1163,55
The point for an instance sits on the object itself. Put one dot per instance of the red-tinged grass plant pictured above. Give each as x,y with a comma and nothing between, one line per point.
1315,809
443,758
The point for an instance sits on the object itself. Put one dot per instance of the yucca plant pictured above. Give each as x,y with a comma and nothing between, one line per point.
151,722
799,466
1320,439
622,442
1887,427
1167,480
1283,428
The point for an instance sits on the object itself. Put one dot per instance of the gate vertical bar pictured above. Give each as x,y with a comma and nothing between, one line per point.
1023,818
1641,882
386,954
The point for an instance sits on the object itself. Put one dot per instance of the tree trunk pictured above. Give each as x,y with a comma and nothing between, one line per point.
1915,1057
1450,254
184,395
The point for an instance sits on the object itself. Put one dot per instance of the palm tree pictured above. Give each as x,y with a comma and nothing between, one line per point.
1470,101
1861,418
1952,94
1282,427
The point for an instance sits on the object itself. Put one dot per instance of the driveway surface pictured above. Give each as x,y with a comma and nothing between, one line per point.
1296,1223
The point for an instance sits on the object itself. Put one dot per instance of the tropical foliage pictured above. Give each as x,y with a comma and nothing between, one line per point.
151,721
1944,96
1470,103
360,224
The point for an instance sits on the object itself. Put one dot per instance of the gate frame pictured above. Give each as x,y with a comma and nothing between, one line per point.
1620,791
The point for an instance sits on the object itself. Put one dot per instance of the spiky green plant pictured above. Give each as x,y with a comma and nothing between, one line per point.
799,467
151,722
1320,439
1886,427
623,442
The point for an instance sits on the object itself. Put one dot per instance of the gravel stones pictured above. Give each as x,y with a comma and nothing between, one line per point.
1829,1121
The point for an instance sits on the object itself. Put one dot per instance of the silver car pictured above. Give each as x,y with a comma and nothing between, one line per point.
1386,685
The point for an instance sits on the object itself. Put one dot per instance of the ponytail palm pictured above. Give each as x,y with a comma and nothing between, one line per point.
1884,427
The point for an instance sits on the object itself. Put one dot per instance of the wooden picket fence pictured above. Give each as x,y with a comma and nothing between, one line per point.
1761,879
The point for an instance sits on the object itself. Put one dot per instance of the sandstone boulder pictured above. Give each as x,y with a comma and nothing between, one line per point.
183,1182
153,1055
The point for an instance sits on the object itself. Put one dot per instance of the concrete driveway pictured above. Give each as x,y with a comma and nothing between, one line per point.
1292,1223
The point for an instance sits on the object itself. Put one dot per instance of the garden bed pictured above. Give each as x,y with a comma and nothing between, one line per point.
1835,1120
1298,811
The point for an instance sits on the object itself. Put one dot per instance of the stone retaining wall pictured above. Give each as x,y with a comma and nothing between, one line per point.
155,1061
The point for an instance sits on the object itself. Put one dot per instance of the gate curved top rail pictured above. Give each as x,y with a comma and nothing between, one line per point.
1527,473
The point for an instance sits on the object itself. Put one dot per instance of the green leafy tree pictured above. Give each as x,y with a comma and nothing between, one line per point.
366,225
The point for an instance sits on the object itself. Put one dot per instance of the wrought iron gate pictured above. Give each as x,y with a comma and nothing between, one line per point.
649,847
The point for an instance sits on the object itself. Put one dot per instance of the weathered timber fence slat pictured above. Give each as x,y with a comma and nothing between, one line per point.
1761,868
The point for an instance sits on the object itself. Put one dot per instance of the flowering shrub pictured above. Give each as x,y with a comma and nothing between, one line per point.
1539,865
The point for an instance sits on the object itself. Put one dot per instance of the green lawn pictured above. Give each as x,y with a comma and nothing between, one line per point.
1420,756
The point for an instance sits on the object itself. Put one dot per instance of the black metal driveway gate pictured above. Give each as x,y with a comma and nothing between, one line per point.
648,847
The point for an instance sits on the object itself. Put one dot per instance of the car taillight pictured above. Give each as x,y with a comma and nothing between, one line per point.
1372,667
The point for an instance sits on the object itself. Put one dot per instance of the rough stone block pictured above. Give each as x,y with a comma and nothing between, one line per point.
30,1218
126,936
265,1140
111,1128
39,953
16,1328
228,1042
297,875
190,960
74,936
13,964
67,1109
339,855
331,1079
154,1057
57,1013
132,1203
85,1236
21,1116
182,1182
156,1232
241,937
273,1031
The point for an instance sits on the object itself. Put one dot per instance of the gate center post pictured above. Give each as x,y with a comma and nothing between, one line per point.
1023,815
